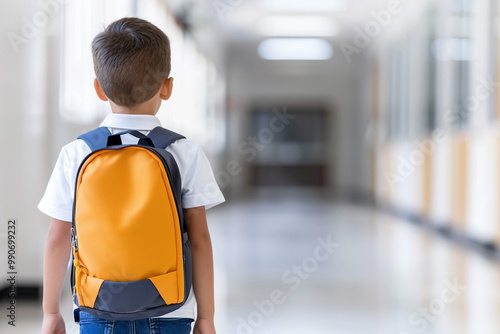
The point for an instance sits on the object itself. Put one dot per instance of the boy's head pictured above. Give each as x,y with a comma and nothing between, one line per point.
131,61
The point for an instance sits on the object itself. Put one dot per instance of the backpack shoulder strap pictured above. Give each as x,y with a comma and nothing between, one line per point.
162,137
97,138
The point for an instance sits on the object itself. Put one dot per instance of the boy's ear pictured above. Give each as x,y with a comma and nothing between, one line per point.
99,91
166,88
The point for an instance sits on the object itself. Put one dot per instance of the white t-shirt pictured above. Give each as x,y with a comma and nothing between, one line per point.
199,187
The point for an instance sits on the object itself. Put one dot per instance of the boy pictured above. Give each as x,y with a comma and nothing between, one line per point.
132,66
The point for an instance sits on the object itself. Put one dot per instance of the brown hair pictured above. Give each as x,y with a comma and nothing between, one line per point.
131,60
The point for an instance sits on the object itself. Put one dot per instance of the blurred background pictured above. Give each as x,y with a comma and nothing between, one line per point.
357,144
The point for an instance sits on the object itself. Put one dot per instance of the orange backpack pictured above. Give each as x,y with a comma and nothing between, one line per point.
131,254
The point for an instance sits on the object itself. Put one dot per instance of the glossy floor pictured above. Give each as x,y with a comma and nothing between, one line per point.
295,263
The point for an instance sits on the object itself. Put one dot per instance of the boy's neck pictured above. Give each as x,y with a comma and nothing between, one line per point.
141,109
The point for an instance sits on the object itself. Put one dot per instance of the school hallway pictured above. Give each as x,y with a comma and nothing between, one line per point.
304,263
356,143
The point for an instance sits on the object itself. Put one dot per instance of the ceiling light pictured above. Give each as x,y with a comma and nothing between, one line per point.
458,49
295,49
298,26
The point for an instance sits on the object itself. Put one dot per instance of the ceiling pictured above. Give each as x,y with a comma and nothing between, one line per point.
232,22
242,20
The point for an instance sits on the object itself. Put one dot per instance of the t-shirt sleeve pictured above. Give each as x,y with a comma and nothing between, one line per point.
199,187
57,202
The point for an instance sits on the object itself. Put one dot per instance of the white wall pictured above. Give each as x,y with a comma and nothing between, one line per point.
21,136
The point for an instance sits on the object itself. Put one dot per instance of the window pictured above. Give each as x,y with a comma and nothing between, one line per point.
432,77
461,50
82,20
495,55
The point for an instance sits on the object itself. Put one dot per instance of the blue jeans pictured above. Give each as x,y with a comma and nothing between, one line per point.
92,325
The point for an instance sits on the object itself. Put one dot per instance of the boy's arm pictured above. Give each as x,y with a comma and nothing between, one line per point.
57,253
203,269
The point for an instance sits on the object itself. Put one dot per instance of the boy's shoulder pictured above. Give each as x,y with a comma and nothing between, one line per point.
185,147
